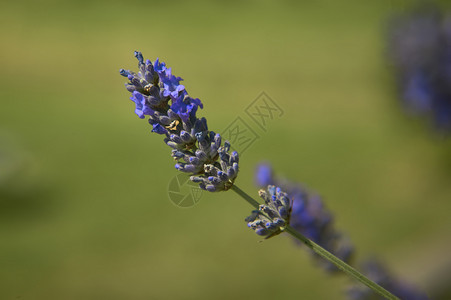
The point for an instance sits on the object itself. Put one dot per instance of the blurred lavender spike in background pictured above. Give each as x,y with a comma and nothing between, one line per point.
309,216
377,272
158,94
419,47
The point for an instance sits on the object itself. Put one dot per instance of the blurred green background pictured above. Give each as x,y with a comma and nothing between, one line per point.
84,211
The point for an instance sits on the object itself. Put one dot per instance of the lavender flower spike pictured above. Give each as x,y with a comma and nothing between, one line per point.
271,217
158,94
419,45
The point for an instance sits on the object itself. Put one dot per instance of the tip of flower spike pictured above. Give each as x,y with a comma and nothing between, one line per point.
124,73
139,57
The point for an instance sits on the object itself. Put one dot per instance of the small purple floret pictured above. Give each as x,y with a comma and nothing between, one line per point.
142,108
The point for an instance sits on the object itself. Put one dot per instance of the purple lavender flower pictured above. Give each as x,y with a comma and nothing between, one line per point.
309,216
159,66
420,49
142,106
185,106
380,275
172,113
158,128
171,84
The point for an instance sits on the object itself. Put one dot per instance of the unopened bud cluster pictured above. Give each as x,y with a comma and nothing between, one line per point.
272,217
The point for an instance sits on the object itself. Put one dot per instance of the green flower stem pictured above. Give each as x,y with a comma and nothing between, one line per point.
324,253
245,196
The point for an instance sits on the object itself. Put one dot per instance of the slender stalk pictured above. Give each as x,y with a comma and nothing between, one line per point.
324,253
245,196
